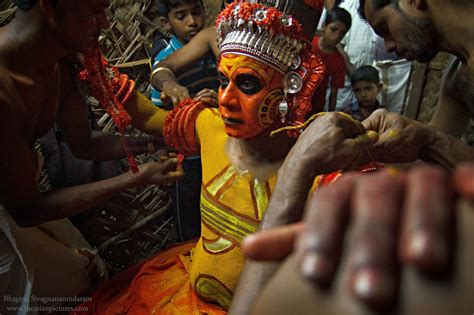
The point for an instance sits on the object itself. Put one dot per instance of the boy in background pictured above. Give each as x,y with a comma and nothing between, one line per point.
366,87
186,19
338,22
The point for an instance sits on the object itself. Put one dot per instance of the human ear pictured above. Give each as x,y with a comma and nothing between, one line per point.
49,7
380,87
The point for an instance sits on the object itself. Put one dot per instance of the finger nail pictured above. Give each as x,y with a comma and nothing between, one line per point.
373,287
316,266
427,252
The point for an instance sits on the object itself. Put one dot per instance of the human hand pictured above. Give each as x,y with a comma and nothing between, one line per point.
382,235
165,172
174,92
401,139
332,142
207,96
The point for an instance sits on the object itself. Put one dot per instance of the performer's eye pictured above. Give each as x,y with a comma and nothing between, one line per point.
224,80
247,83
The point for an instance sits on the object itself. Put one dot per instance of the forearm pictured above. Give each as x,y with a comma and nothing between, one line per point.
447,151
145,116
291,190
163,72
66,202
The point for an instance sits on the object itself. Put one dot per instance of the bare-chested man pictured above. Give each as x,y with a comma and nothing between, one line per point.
418,30
39,252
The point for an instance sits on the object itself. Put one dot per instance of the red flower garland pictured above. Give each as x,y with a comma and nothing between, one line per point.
103,90
271,21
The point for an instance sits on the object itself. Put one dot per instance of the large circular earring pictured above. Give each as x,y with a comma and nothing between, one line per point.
292,84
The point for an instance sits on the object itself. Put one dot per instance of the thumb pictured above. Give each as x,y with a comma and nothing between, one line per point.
363,141
273,244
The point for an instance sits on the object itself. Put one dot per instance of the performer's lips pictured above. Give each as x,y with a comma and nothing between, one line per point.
231,121
192,33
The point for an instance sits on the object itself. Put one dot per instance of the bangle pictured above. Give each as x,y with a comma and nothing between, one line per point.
154,72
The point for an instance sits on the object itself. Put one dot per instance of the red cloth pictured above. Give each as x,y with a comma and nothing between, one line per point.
335,72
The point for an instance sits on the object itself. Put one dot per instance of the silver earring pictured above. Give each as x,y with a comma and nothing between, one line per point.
283,109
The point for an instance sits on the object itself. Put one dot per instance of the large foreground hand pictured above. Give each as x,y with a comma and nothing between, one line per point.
405,217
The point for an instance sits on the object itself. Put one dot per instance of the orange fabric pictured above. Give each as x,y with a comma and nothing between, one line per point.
158,286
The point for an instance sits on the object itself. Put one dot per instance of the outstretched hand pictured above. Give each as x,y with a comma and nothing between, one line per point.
165,172
405,217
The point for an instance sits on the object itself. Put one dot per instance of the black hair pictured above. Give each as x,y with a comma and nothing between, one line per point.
165,6
378,4
338,14
366,73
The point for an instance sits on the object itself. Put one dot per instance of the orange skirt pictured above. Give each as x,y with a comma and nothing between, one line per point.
159,285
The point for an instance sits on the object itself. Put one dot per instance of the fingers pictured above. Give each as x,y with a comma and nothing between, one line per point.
372,260
175,92
169,165
375,120
207,96
464,180
428,219
319,246
269,245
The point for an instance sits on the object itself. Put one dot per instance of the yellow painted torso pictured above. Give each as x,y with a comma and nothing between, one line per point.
232,206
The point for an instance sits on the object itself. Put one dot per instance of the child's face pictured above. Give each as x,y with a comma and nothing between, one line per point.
366,92
186,20
334,32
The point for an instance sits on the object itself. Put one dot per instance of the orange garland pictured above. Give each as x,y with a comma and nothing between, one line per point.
111,94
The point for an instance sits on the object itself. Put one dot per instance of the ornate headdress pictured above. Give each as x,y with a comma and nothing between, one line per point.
276,39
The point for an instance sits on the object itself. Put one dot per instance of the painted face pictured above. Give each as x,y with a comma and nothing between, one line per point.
186,20
406,30
249,95
366,92
335,32
79,22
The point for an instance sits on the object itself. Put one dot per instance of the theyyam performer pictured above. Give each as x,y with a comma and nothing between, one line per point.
268,76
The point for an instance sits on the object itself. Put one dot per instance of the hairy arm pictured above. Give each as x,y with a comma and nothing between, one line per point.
450,121
451,115
330,143
18,189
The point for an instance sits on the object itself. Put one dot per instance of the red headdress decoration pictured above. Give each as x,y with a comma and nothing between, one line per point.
276,39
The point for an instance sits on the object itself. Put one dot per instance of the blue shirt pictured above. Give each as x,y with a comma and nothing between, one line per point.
195,77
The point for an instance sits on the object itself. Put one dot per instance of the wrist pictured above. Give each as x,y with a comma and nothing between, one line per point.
432,139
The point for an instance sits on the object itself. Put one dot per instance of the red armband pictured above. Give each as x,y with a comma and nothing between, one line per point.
329,179
180,125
